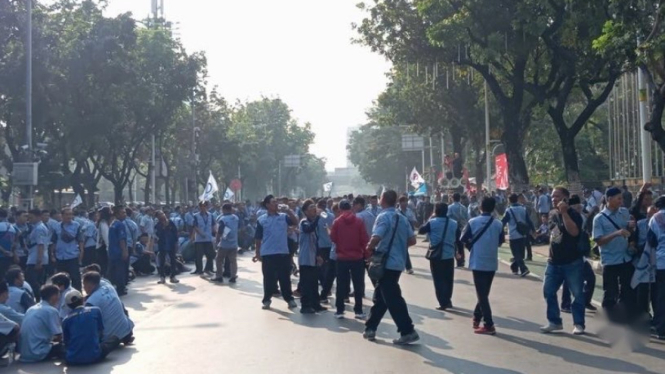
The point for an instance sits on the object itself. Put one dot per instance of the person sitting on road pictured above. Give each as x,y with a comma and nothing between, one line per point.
41,332
116,322
64,284
82,330
20,299
5,309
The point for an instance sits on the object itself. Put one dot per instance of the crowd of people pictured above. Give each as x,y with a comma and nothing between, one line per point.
65,271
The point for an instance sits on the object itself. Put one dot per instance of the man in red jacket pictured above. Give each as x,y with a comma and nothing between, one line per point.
350,238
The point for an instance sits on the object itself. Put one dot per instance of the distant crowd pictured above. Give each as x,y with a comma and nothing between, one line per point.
66,271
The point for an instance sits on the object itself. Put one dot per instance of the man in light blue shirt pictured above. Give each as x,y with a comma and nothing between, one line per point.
7,238
272,250
443,233
460,214
612,228
392,236
483,236
117,324
204,230
69,241
404,210
227,244
656,239
544,203
41,328
5,309
327,272
364,214
519,228
38,241
374,207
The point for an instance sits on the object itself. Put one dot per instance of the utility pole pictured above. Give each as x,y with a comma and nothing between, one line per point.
28,95
487,141
645,137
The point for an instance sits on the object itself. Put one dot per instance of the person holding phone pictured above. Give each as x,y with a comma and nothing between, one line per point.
565,263
612,231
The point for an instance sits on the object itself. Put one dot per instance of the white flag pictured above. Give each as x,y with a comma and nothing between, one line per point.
77,201
211,188
383,190
328,187
415,178
228,195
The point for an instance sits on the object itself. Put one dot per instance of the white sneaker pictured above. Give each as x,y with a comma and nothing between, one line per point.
578,330
339,315
551,327
361,316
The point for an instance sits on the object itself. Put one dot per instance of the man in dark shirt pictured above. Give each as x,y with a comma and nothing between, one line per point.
82,332
565,263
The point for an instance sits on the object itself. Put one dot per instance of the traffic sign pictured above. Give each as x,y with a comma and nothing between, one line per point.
236,185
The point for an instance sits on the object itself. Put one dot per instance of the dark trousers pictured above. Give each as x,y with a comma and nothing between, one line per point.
5,263
106,347
89,256
309,287
348,271
659,313
517,247
206,249
324,269
589,287
35,279
460,252
329,277
70,267
409,265
102,257
143,265
483,282
529,251
646,297
619,298
388,297
118,269
162,263
443,276
276,268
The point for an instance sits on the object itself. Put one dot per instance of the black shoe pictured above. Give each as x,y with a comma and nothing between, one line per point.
218,280
591,307
233,280
529,258
461,265
307,310
442,308
658,337
226,275
320,308
566,310
196,272
325,301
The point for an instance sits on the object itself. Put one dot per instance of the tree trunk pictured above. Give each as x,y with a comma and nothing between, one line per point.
654,126
513,143
570,160
148,186
118,193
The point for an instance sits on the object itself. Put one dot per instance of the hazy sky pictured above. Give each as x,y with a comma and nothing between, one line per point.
299,50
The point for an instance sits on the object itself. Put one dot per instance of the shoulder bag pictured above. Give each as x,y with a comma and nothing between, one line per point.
435,252
377,266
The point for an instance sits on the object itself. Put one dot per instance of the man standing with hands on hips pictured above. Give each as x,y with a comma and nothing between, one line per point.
272,250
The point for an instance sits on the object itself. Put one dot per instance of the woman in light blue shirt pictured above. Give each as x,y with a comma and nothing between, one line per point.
443,233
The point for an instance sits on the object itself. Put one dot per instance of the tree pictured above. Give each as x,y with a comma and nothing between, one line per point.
641,21
377,152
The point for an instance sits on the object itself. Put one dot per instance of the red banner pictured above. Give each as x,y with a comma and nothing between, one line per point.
501,164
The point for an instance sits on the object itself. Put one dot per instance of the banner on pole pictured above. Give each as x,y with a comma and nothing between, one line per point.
228,195
415,178
501,177
328,187
211,188
77,201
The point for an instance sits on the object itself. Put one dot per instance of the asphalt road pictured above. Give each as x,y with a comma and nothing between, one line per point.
200,327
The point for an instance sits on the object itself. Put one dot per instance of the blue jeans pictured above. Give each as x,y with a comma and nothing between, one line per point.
555,275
